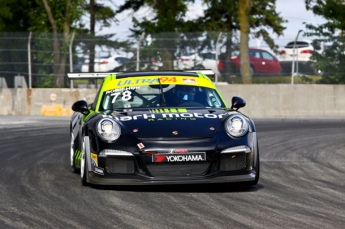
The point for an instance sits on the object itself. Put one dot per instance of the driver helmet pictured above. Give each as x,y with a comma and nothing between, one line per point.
185,93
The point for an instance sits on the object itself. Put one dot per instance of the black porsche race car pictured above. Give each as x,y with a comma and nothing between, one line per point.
164,127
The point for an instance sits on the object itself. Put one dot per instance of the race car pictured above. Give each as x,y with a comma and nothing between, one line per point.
162,127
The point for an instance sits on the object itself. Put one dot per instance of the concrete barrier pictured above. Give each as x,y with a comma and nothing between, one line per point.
285,101
263,101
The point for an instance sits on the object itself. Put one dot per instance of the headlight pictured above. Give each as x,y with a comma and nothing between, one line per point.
108,129
236,126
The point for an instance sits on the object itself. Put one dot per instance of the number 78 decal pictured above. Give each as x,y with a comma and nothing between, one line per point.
126,95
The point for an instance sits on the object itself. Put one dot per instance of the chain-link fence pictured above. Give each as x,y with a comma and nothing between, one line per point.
29,59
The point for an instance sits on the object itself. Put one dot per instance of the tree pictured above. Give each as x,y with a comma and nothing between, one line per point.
98,12
224,16
57,18
15,21
59,57
167,20
244,7
331,61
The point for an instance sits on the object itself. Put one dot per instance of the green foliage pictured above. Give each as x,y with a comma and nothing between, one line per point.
332,60
222,15
46,81
5,13
39,18
17,18
264,17
168,18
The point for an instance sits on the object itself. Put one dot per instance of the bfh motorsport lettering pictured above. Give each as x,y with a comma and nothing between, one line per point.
170,116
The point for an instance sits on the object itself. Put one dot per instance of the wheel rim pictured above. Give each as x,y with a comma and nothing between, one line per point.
72,150
82,163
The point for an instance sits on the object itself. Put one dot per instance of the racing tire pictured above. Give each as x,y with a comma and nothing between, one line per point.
83,165
74,168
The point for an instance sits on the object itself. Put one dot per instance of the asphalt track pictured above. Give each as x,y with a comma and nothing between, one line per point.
302,183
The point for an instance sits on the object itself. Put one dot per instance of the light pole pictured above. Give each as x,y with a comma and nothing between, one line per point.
293,57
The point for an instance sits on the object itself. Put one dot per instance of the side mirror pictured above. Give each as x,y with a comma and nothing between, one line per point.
237,102
81,106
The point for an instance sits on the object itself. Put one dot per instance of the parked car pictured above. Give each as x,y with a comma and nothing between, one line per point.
300,53
145,64
105,64
78,66
261,62
162,127
204,60
188,61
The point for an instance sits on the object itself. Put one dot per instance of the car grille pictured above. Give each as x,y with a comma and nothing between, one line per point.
119,164
232,161
177,169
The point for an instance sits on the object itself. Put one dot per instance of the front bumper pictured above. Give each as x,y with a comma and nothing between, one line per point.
137,180
198,161
236,164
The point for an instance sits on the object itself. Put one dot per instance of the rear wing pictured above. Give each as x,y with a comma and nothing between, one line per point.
100,75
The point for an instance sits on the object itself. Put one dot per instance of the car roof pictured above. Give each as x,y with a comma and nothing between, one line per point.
156,73
142,78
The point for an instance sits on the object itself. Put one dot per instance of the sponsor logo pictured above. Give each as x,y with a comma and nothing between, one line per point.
178,151
145,81
141,145
190,157
181,150
192,81
77,157
94,164
94,159
122,89
169,110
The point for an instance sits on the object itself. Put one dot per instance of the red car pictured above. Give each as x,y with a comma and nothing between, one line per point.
261,62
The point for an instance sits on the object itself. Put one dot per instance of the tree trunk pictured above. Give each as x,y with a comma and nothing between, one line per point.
167,9
92,44
58,55
167,56
244,11
56,47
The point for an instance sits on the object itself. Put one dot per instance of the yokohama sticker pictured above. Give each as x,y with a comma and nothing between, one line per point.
188,157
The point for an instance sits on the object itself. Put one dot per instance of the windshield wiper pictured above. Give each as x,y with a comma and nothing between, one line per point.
162,94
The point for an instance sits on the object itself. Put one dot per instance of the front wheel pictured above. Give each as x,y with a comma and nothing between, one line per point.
83,165
73,155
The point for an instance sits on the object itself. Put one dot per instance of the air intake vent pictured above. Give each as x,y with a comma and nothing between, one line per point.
120,164
232,161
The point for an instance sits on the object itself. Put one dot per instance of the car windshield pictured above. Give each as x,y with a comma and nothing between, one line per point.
151,96
299,44
208,55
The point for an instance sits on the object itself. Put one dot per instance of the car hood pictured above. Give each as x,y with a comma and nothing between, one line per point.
171,123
